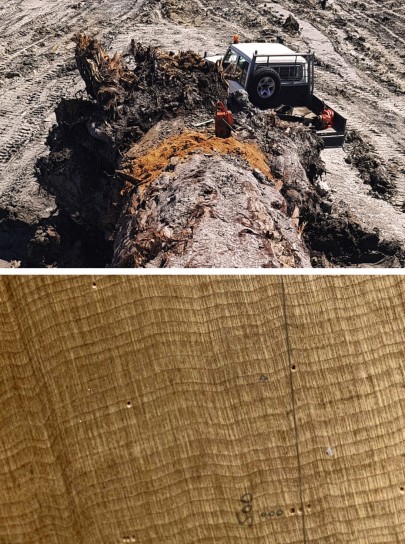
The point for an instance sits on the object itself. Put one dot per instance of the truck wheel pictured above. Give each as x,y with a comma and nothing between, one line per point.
264,88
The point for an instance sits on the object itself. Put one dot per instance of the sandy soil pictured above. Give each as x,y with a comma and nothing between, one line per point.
360,70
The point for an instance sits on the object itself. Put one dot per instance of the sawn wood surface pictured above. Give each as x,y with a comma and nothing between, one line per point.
202,410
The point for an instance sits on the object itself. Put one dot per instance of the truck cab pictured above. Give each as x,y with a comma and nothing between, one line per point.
271,73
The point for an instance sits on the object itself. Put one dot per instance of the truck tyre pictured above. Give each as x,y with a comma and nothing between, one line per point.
264,88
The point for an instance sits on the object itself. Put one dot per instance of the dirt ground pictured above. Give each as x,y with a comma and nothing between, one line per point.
360,70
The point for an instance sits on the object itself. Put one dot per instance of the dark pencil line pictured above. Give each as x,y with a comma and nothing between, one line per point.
294,410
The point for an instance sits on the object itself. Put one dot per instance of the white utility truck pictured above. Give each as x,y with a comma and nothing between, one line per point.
275,76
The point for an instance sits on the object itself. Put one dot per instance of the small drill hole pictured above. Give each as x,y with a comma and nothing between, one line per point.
292,510
94,285
309,506
293,368
300,510
402,489
129,404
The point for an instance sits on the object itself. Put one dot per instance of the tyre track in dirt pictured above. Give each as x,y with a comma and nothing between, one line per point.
375,112
368,44
364,17
43,77
33,103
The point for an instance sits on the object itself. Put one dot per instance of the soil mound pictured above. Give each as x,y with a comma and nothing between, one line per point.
161,85
361,155
291,25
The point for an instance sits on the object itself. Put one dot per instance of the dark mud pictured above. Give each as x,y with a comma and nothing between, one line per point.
338,241
291,25
362,155
55,242
59,242
15,236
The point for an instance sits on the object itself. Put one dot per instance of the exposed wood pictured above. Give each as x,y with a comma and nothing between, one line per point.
202,410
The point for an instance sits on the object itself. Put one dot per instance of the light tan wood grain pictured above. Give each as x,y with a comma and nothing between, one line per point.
347,337
143,409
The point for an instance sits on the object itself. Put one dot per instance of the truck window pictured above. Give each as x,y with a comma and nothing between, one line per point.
243,68
231,67
291,72
230,58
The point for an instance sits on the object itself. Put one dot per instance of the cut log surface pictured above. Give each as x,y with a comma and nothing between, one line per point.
220,410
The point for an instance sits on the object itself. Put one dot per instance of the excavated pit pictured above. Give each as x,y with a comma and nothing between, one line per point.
353,216
130,167
131,164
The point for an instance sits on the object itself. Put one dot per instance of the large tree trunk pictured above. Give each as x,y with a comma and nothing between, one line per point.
131,164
